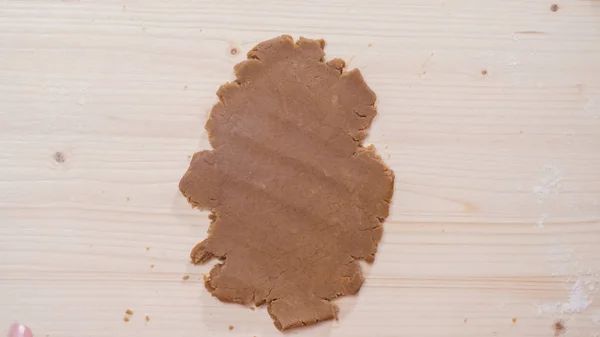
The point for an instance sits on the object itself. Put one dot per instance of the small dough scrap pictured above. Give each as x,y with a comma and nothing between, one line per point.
295,198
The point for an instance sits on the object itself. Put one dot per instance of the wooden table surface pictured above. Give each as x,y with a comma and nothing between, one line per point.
489,114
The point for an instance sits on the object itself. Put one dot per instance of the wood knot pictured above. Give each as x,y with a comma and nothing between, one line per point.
559,328
59,157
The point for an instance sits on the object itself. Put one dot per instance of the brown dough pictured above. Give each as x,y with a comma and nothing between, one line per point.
296,199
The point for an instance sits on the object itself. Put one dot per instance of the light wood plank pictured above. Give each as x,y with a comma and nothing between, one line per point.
489,113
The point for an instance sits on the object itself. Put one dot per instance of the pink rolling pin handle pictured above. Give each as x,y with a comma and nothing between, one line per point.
19,330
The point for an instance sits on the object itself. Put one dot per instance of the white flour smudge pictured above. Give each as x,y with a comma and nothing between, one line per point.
548,184
579,300
590,109
541,221
573,266
596,318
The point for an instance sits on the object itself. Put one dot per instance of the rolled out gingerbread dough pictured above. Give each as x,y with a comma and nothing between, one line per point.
296,199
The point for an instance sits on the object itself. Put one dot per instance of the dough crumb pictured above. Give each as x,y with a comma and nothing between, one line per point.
126,319
514,320
128,312
230,327
186,277
252,308
147,318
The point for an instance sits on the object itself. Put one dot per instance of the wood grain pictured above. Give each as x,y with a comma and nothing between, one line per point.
489,114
